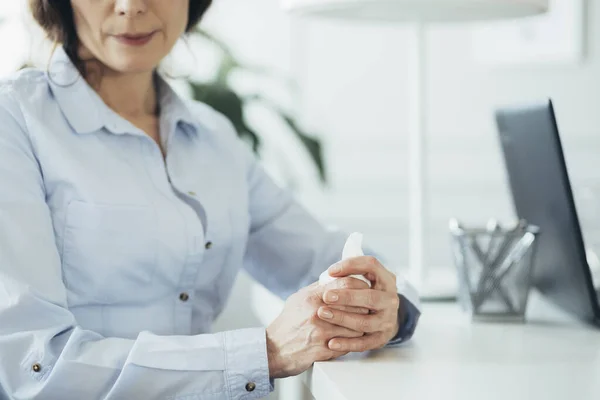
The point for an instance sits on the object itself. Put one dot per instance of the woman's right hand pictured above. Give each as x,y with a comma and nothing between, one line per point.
298,337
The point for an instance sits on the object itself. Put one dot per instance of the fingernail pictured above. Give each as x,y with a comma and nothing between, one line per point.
335,346
335,268
331,297
326,314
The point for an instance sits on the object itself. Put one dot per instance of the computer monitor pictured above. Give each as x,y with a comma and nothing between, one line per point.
542,195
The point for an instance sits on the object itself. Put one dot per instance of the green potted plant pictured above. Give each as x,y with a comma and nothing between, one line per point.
218,93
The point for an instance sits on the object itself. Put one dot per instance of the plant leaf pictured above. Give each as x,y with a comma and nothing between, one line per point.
312,145
218,95
229,104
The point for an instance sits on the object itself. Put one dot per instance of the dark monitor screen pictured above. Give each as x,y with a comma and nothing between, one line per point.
542,195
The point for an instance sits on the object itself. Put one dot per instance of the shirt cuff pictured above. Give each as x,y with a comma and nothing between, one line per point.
247,366
409,323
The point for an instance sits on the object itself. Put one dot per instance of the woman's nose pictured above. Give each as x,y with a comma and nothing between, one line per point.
131,8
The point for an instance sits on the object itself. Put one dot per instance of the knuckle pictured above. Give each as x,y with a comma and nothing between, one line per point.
312,333
388,325
345,283
316,334
364,324
363,346
354,283
314,319
372,261
396,302
347,297
312,300
337,307
361,284
357,334
343,265
372,297
307,299
340,318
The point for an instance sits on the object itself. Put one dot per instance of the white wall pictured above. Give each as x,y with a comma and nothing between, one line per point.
354,81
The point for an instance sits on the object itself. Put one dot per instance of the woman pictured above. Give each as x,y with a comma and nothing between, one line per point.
125,215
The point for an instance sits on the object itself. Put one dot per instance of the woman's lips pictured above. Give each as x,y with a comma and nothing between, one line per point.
135,39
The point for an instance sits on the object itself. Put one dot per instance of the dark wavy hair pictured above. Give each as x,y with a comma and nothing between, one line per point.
56,19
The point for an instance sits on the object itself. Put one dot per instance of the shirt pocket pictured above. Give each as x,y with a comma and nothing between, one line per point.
109,252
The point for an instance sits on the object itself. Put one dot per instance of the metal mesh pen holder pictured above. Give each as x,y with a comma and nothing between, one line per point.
494,269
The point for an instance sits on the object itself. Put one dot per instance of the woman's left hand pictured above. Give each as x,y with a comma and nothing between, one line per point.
382,324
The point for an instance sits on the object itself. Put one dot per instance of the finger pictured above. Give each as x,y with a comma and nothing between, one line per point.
356,310
314,288
365,343
369,266
366,298
334,331
355,322
347,282
340,283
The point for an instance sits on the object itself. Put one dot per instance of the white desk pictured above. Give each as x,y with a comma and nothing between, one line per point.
451,358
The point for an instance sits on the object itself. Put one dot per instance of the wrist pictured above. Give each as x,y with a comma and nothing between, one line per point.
276,367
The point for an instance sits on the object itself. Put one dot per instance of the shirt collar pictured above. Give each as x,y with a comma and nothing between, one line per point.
85,110
174,108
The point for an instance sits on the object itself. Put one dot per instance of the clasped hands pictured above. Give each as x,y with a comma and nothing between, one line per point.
320,323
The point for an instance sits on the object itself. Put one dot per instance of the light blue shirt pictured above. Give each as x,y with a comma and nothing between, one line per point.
114,262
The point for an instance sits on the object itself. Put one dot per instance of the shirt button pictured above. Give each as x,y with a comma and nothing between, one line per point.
208,245
184,296
36,367
192,193
250,386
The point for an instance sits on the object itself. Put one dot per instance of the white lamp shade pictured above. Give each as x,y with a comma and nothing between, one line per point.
418,10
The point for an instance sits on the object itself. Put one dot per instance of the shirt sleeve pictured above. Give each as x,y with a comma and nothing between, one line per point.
408,315
288,248
44,354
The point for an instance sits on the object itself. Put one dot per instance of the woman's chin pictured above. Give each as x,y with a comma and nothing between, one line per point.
129,62
133,65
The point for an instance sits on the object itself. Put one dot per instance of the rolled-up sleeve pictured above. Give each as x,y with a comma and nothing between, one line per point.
44,354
